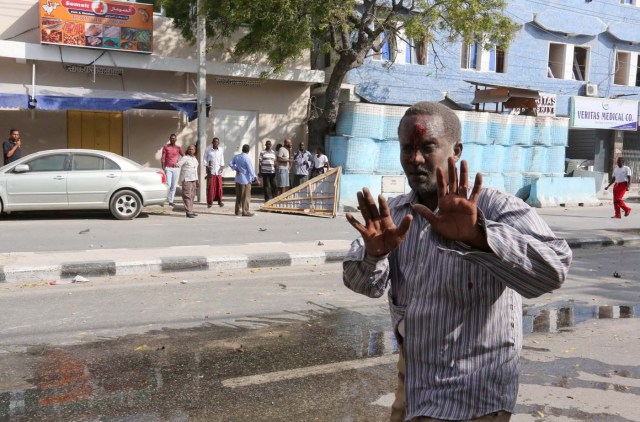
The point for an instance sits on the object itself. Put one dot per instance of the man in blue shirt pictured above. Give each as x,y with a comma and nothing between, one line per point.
245,175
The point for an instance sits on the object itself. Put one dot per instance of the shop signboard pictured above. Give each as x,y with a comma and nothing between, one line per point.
103,24
546,105
604,113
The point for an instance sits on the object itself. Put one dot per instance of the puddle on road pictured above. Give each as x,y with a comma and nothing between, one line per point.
562,318
176,375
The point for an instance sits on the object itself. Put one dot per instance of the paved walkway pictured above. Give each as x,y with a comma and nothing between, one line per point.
581,226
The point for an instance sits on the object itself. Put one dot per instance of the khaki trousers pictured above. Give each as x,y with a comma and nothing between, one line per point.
243,198
188,194
398,406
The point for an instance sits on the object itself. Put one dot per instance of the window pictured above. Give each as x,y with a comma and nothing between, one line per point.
629,2
474,57
399,49
49,163
82,162
87,162
626,68
566,61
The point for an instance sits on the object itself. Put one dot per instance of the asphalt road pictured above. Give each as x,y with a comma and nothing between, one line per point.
289,344
71,231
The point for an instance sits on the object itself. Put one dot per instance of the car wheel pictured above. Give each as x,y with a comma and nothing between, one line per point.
125,205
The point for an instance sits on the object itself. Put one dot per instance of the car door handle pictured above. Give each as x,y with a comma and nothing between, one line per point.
58,178
112,176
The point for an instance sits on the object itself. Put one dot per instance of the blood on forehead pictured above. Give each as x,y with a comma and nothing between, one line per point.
419,132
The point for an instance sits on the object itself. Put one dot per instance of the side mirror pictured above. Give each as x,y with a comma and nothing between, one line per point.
21,168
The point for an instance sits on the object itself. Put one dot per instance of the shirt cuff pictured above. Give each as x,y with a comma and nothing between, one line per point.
373,260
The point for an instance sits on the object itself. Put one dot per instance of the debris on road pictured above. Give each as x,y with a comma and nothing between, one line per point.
320,243
52,283
79,279
262,229
240,349
84,231
141,347
184,282
616,274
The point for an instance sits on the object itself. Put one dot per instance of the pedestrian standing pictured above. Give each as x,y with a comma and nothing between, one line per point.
283,163
622,178
267,171
188,166
457,259
214,163
12,147
245,175
171,154
302,165
320,163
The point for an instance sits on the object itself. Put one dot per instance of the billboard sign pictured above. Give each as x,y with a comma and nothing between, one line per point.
604,113
102,24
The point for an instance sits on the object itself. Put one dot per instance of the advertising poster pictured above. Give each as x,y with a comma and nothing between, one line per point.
604,113
100,24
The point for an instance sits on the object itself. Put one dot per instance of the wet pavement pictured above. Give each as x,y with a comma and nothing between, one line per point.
178,375
291,344
208,373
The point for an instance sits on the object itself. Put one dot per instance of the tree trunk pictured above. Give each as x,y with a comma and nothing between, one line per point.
321,125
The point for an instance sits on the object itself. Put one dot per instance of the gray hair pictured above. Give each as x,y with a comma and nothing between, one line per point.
450,121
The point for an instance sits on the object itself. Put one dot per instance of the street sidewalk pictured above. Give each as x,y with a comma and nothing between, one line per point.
581,226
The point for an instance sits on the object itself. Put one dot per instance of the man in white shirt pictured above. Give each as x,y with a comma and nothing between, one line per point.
214,162
189,174
622,179
320,163
283,161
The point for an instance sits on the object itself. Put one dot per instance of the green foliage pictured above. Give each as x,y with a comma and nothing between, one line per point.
284,29
350,29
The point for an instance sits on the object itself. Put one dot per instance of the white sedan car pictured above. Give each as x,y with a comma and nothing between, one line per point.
80,179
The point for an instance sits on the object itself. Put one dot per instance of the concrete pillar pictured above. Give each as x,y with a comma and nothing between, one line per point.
616,148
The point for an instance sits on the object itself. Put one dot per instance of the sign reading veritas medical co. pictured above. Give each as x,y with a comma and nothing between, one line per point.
101,24
604,113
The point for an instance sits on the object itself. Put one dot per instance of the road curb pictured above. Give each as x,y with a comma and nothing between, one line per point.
67,270
166,265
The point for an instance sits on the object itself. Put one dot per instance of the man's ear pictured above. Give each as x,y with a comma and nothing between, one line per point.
457,150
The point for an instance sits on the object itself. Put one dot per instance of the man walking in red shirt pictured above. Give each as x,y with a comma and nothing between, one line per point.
171,154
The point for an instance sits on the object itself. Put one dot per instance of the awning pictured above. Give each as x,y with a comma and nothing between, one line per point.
625,32
569,23
10,101
502,94
62,98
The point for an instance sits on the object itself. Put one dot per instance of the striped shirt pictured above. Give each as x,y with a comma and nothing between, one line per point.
462,308
267,162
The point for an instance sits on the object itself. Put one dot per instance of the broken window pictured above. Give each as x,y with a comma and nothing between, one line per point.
567,61
580,57
626,68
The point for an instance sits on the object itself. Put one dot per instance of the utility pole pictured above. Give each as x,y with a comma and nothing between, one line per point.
201,40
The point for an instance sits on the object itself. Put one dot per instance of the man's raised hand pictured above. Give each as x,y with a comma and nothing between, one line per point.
457,217
379,233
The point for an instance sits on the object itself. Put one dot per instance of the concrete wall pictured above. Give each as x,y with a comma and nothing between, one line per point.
527,57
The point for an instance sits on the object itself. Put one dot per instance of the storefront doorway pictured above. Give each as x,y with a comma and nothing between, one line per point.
95,130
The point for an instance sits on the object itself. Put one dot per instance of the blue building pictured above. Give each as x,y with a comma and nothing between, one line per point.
570,50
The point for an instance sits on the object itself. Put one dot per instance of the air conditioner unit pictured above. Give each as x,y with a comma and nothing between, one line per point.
591,90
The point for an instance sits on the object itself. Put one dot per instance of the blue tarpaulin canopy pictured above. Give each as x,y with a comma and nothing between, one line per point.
14,96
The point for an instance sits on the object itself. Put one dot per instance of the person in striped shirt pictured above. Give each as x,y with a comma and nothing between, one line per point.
267,171
457,260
